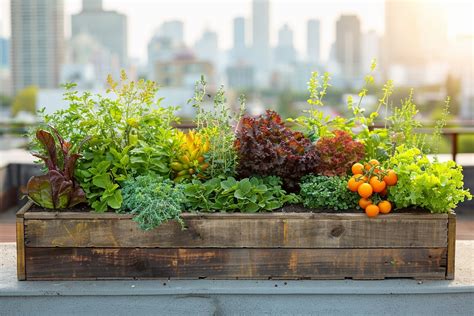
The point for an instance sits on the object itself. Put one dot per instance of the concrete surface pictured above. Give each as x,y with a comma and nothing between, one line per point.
243,297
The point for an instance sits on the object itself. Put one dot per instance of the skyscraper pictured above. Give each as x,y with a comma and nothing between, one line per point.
285,51
348,51
313,41
261,37
108,28
239,41
206,47
4,52
174,30
37,28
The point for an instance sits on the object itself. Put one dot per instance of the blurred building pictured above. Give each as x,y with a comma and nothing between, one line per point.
370,49
313,41
206,47
174,30
285,52
4,53
108,28
37,42
167,42
85,50
83,75
183,71
261,50
241,76
348,50
239,47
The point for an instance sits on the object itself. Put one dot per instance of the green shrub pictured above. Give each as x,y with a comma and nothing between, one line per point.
436,186
130,134
152,200
247,195
327,193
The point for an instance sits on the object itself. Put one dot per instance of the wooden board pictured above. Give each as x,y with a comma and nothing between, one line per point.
100,263
233,232
451,247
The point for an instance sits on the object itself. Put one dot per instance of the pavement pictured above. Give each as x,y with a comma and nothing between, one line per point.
238,297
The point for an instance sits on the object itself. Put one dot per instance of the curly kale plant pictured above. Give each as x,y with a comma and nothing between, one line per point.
247,195
57,188
153,200
327,193
338,153
266,147
436,186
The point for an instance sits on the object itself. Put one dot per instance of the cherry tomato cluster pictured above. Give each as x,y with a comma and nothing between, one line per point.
370,178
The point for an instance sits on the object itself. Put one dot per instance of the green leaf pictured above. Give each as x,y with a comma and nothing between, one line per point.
102,180
115,201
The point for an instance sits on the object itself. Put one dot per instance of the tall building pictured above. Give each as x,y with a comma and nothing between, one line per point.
174,30
4,52
37,42
261,38
370,49
109,28
285,51
348,50
206,47
313,41
165,45
239,46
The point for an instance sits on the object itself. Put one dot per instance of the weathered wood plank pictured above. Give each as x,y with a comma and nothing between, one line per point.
226,216
92,263
349,232
20,249
450,268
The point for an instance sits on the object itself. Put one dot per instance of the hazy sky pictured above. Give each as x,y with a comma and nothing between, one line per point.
144,16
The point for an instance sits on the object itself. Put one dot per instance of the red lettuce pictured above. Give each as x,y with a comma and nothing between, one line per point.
57,188
338,153
266,147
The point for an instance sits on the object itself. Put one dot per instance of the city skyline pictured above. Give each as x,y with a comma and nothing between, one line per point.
140,31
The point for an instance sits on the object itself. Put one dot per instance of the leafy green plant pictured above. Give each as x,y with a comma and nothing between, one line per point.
338,153
218,126
130,132
57,188
247,195
315,124
266,147
327,193
153,200
436,186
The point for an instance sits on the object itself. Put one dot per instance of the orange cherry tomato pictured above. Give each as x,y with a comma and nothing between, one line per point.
377,184
385,207
357,168
391,178
363,203
372,210
365,190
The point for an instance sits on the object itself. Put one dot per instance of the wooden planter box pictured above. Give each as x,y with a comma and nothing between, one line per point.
83,246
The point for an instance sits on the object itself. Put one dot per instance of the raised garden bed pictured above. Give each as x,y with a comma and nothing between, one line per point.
279,245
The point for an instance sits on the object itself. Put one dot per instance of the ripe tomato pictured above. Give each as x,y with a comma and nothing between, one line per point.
363,203
391,178
371,163
357,168
354,182
365,190
385,207
372,210
377,185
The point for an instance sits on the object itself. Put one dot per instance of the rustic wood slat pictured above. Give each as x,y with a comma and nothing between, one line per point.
450,267
225,216
91,263
345,232
20,249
